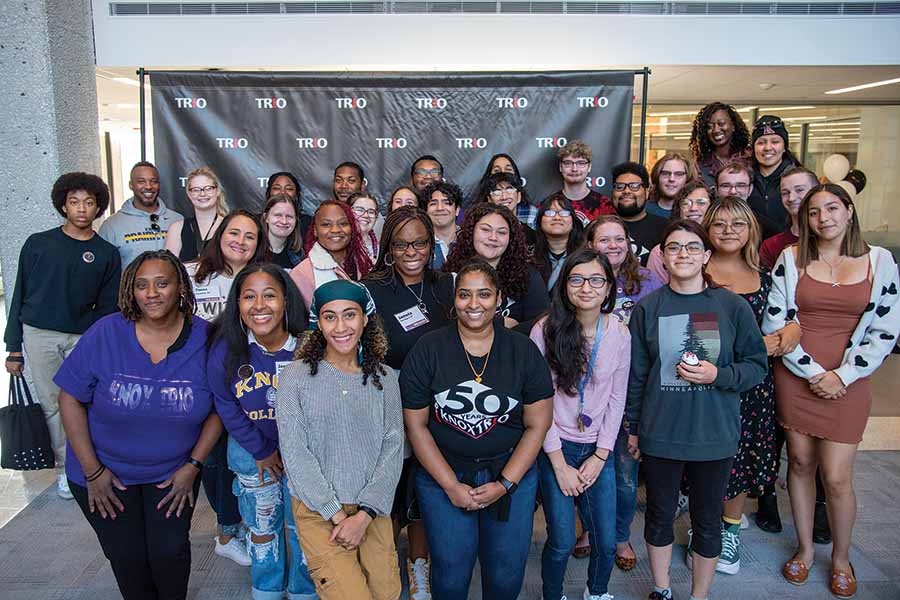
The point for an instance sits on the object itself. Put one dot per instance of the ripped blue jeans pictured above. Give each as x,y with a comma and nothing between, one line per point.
275,567
626,487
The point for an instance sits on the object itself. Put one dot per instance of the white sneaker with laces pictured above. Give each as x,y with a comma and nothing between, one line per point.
62,487
588,596
419,582
233,550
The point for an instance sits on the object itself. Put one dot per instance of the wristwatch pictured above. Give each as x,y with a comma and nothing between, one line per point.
369,511
509,485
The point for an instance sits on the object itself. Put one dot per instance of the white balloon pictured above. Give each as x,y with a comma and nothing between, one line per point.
851,189
836,167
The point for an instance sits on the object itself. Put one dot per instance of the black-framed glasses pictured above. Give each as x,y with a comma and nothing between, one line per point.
595,281
693,248
401,246
729,187
557,213
633,186
575,163
154,222
362,212
206,189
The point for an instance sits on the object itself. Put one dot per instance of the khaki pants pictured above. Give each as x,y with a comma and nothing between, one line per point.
45,352
370,572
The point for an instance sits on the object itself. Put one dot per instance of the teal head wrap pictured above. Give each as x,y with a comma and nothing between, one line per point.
339,289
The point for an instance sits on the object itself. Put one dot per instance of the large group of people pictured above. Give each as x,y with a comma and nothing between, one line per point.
446,365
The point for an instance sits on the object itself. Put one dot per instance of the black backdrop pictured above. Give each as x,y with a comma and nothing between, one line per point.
246,126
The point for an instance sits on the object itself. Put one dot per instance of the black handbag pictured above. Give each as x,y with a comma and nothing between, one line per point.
24,436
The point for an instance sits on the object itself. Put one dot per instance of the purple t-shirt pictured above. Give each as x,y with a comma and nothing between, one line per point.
626,302
144,418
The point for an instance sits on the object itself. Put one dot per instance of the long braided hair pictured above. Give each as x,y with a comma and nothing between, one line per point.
357,263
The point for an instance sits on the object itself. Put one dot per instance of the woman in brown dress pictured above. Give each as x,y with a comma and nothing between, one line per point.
839,297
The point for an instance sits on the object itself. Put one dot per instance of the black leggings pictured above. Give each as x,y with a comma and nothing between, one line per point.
707,480
150,555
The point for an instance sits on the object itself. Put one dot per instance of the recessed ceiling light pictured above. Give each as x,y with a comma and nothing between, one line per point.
127,81
864,86
784,108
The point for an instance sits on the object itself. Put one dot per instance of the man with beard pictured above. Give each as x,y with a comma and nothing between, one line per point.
425,170
143,221
669,176
630,185
348,179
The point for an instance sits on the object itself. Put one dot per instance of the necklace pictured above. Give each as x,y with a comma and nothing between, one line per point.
418,296
478,375
831,267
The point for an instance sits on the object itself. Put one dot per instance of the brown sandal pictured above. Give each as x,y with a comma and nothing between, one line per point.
796,571
581,551
843,584
626,563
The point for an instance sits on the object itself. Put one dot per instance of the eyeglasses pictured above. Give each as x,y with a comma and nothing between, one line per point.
721,226
400,246
557,213
207,189
423,172
698,202
154,225
633,186
674,248
362,212
578,164
727,187
676,174
500,192
595,282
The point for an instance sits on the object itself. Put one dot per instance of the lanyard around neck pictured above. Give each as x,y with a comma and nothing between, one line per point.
589,371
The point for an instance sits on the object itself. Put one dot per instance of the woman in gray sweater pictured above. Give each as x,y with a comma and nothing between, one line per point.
341,434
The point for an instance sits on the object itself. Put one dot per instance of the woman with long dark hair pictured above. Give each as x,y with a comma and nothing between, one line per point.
248,345
334,250
558,235
506,189
695,348
477,407
589,352
834,303
340,432
491,231
526,212
718,136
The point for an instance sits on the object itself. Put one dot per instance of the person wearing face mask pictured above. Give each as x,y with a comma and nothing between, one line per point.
574,163
834,301
504,189
340,432
504,163
143,221
695,348
364,206
692,203
286,183
718,136
795,183
771,158
559,234
187,239
669,176
281,231
631,183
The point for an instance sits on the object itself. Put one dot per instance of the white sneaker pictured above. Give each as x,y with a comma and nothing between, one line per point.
745,524
417,575
588,596
234,550
62,487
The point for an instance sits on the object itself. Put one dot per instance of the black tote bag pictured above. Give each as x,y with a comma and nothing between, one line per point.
24,435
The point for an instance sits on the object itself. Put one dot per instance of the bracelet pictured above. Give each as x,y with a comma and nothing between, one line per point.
195,462
96,474
599,457
15,359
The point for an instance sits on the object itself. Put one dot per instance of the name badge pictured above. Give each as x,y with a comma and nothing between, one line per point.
280,365
411,318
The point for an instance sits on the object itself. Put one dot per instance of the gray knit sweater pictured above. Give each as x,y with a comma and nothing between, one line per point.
341,441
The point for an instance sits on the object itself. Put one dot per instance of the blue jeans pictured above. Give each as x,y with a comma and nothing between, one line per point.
597,508
626,487
217,482
457,537
262,508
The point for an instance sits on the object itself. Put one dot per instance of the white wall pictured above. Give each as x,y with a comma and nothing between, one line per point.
474,42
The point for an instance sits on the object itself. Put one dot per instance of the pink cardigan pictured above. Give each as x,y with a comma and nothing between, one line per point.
305,279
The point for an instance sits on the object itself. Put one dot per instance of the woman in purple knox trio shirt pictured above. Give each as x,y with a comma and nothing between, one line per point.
138,414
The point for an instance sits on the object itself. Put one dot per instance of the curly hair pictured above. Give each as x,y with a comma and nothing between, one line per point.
357,263
70,182
451,190
513,265
213,261
541,246
127,302
577,149
374,346
489,183
631,266
701,147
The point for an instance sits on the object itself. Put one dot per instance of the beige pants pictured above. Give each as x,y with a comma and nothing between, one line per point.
370,572
45,352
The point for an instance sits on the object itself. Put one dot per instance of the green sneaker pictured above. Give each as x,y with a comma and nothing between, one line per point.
730,557
688,553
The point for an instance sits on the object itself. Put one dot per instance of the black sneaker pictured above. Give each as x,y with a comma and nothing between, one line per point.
767,517
821,529
657,596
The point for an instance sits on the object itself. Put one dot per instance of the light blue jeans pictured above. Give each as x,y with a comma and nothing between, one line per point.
262,507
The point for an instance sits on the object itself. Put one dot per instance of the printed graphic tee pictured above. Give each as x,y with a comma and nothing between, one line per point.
211,295
470,419
144,418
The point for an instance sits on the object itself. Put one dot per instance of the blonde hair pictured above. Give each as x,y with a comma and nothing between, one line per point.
575,148
221,204
807,246
740,208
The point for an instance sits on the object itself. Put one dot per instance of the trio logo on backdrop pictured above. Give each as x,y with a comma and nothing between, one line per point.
190,103
431,103
271,103
593,101
344,103
551,142
472,143
233,143
391,143
318,143
511,102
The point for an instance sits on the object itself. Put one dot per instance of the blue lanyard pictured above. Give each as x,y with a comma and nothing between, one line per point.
582,385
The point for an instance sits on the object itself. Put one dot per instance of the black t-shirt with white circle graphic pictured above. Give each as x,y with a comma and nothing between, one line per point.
469,419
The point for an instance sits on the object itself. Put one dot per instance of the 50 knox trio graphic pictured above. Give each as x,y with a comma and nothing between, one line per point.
473,408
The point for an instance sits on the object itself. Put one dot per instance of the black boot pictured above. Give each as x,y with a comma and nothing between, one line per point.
767,517
821,530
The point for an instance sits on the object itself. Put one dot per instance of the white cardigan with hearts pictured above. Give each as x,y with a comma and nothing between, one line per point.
875,334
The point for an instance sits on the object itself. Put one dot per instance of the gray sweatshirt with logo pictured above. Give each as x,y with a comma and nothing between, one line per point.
132,230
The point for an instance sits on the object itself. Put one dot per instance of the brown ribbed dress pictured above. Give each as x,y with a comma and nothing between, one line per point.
828,315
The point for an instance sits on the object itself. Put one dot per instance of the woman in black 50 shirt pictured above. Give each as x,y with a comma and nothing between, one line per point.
477,406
